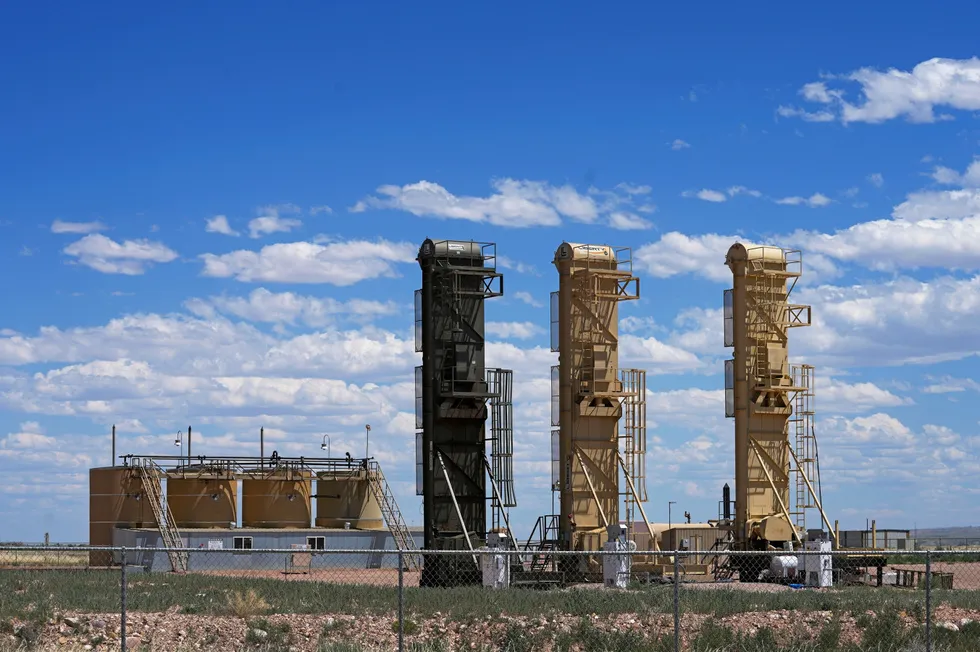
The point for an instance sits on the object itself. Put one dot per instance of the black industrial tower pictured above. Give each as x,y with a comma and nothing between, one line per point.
453,387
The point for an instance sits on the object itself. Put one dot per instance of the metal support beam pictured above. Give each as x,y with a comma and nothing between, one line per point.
782,505
459,514
588,479
646,521
816,500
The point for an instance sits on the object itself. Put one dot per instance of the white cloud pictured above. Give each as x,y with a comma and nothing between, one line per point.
515,203
271,223
706,194
59,226
520,330
336,263
742,190
885,95
261,305
528,298
658,357
624,221
969,179
631,189
679,144
316,210
816,200
131,257
876,179
504,262
30,436
840,397
676,253
219,224
808,116
949,385
897,322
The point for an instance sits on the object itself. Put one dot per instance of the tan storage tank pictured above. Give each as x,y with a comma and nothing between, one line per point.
279,499
116,499
346,497
203,501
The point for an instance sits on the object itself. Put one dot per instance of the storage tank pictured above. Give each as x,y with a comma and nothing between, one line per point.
346,497
278,499
116,499
203,501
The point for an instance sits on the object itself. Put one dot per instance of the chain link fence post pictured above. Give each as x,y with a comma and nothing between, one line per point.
928,601
401,601
677,602
122,600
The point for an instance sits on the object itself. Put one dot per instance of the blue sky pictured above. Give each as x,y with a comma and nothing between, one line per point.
210,217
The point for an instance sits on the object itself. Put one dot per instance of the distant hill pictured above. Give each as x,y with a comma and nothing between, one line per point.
961,532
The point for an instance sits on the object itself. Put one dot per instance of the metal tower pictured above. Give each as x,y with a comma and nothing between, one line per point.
453,388
590,394
762,389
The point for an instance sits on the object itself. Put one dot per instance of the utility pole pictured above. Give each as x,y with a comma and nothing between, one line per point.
367,441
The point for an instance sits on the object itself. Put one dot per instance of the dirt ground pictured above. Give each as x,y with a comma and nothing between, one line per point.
175,631
365,576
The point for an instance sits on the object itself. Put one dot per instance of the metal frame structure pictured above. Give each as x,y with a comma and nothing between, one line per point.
455,394
762,390
153,468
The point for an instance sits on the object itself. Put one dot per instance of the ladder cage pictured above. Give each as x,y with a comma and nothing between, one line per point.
801,426
501,383
634,438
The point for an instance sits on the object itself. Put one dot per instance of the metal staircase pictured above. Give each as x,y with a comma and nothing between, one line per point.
393,516
149,472
541,557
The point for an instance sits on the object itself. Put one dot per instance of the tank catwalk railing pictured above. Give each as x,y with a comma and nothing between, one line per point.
355,599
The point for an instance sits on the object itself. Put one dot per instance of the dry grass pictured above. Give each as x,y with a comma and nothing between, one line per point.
247,604
43,559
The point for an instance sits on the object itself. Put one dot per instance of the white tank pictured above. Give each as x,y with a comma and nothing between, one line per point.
784,566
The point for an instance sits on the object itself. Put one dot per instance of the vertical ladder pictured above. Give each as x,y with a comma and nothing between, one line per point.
393,516
164,518
806,445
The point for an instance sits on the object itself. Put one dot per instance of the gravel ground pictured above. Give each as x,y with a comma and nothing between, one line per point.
172,630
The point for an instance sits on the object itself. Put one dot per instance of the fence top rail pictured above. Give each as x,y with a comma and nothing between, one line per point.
497,551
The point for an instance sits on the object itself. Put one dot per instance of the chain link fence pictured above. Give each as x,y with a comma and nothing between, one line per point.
298,599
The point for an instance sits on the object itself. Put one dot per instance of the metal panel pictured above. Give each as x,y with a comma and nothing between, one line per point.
555,339
418,321
729,388
555,396
729,320
418,465
555,460
418,397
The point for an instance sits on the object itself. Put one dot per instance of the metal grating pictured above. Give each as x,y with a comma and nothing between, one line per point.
730,388
501,382
729,318
555,332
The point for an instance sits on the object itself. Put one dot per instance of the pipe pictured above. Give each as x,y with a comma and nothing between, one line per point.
113,461
726,500
262,447
188,444
874,535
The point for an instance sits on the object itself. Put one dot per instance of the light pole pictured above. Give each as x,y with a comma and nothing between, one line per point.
367,441
669,503
325,444
179,441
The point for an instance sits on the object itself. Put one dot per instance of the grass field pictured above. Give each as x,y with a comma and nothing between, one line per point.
43,559
865,615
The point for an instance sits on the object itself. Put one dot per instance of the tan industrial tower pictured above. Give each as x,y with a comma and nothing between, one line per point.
771,400
590,394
